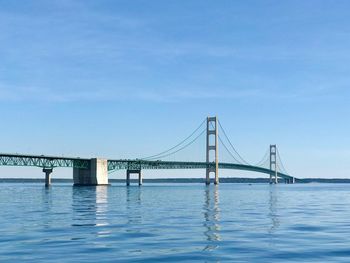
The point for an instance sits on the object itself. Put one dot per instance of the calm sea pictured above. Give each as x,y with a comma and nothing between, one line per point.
175,222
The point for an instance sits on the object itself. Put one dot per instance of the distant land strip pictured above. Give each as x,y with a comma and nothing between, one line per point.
182,180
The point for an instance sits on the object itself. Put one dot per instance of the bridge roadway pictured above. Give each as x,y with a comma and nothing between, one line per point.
144,164
44,161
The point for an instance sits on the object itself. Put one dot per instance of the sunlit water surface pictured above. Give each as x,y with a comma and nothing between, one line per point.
175,222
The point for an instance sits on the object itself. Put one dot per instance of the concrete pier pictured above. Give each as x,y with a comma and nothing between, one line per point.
140,178
290,180
47,172
127,177
96,174
129,172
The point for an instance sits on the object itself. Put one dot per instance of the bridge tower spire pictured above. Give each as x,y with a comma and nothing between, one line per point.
212,145
273,164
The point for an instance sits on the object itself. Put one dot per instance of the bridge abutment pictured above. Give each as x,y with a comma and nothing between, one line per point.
96,174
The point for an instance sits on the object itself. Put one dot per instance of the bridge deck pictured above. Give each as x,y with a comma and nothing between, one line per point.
43,161
143,164
84,163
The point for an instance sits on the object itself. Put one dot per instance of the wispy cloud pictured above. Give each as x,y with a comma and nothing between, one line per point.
78,44
17,94
172,95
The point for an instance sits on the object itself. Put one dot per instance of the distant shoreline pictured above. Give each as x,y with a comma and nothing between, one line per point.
181,180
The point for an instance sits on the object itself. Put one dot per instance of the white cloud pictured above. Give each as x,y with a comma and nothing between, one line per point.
19,94
30,93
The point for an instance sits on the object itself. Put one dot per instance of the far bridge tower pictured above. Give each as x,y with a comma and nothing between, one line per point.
273,164
212,146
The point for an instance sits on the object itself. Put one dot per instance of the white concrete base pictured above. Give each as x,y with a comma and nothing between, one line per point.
96,175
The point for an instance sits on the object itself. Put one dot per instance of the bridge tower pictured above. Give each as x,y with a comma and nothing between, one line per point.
212,145
273,164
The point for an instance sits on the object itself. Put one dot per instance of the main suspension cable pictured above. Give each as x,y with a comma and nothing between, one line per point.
244,161
188,144
282,165
263,160
177,145
230,153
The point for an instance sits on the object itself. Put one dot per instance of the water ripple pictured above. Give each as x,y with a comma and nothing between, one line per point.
157,223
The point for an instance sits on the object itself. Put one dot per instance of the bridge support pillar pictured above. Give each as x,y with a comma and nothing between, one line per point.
127,177
140,178
212,145
273,164
129,172
47,172
96,174
290,180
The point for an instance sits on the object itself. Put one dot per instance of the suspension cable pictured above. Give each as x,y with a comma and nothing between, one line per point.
230,153
263,160
188,144
279,170
177,145
244,161
282,165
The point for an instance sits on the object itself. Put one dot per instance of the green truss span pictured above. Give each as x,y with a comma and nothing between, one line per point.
142,164
43,161
54,161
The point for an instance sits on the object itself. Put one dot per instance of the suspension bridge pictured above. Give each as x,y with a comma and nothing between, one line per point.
95,171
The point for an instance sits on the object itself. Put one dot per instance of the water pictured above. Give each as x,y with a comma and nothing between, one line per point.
175,222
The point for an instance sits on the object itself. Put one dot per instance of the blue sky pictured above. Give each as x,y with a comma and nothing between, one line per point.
124,79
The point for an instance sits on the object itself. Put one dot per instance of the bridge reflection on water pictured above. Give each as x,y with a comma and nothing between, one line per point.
211,212
109,212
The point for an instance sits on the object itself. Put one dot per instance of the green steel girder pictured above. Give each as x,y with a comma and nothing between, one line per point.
148,165
252,168
53,161
42,161
142,164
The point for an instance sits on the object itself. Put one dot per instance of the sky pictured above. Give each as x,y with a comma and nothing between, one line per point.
125,79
